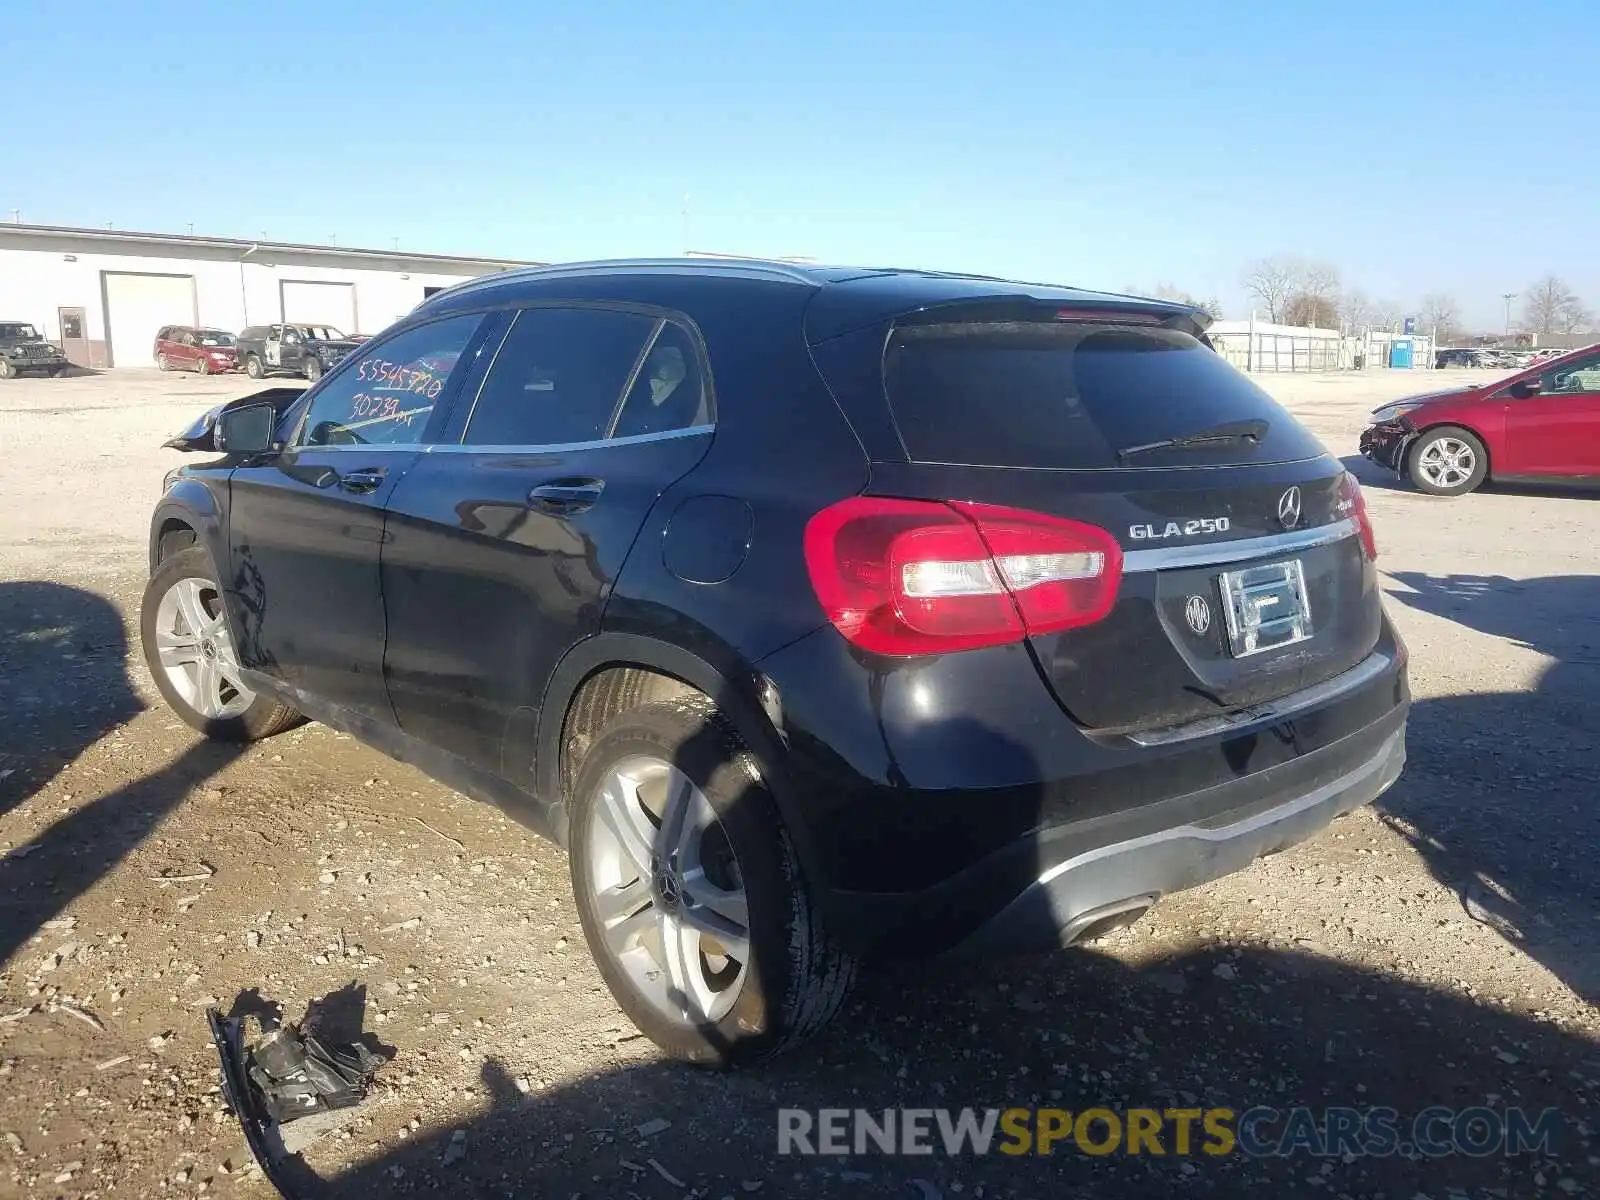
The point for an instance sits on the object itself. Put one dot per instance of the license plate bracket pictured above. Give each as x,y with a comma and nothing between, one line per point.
1266,607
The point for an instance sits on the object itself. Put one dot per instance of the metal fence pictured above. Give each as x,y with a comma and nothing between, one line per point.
1260,347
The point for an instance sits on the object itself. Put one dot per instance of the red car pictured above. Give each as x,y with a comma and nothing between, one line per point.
187,348
1539,425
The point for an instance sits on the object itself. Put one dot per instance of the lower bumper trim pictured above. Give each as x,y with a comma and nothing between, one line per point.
1073,900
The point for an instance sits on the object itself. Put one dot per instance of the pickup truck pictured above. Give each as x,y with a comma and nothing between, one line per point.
23,349
309,350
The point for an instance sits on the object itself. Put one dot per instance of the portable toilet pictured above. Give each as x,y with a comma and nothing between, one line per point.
1400,353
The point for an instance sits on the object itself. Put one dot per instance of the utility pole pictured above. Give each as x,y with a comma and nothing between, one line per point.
1508,297
16,216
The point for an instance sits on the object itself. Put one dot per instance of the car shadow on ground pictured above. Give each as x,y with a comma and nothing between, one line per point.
63,688
1503,811
1226,1026
1210,1029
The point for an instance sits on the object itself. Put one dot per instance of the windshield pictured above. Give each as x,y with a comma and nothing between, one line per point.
18,333
215,337
321,333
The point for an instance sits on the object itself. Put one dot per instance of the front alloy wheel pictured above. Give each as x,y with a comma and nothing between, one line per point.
195,650
1448,462
189,648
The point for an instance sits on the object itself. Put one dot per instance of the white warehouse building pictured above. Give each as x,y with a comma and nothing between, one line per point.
102,294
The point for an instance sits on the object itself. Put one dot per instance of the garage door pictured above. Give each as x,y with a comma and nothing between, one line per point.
137,306
320,304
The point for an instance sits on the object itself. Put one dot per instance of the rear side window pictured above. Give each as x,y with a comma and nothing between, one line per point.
1071,395
558,377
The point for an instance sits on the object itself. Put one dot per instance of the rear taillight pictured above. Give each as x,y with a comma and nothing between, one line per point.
1353,503
912,577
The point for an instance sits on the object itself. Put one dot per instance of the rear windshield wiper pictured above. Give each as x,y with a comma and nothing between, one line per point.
1237,431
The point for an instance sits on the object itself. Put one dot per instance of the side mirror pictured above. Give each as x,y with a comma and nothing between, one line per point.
246,430
1524,388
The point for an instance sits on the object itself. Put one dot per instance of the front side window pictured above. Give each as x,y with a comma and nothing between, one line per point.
1579,375
558,376
387,395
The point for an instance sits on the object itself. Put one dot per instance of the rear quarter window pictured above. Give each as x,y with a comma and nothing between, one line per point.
1071,395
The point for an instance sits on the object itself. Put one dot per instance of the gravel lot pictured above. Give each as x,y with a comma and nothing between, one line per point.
1439,948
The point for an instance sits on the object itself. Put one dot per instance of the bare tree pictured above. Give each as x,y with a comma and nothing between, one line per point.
1272,281
1355,309
1552,307
1386,315
1166,291
1442,315
1314,296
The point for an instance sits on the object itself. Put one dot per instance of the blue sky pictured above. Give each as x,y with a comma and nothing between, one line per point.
1429,147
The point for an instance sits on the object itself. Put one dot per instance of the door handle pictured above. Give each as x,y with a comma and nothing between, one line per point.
363,479
566,497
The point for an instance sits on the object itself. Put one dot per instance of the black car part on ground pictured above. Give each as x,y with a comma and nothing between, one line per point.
287,1075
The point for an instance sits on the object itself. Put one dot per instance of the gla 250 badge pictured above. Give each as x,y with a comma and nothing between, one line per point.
1146,533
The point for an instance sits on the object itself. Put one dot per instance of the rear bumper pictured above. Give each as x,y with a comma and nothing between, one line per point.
1088,892
979,868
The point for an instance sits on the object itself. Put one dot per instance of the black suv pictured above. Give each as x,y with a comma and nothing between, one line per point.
821,614
23,350
309,350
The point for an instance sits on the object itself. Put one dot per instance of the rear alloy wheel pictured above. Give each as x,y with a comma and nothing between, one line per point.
252,367
163,363
1447,462
313,369
7,371
189,649
690,895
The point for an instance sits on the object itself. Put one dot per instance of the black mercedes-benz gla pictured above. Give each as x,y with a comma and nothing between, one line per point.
820,614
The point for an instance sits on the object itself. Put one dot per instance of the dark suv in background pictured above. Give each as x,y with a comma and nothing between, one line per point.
821,614
310,350
24,350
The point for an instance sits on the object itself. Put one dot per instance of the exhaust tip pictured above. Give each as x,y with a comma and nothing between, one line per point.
1107,918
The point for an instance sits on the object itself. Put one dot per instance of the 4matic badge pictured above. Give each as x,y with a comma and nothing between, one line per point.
1172,529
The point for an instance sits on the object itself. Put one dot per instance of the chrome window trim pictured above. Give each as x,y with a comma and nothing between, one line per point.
1168,557
638,439
1357,676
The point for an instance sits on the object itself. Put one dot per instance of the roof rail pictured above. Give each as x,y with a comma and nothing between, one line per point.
746,268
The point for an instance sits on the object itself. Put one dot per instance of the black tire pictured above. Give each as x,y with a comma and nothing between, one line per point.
797,977
252,366
163,363
202,366
1469,455
7,371
313,369
264,717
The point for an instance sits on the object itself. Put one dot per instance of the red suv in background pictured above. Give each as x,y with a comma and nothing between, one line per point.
186,348
1539,425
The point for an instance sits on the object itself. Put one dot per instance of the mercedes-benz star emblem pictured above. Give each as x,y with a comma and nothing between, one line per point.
1198,613
1289,508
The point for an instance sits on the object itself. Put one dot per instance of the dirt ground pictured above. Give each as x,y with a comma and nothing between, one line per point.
1439,948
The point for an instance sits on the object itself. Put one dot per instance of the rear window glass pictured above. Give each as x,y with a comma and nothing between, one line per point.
1071,395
